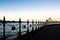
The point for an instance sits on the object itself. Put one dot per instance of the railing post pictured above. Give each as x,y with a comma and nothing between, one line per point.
19,26
32,25
27,26
36,25
4,28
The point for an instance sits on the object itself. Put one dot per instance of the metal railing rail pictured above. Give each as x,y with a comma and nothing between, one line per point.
4,21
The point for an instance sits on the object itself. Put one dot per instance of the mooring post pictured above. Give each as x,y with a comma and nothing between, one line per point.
27,26
19,26
32,25
4,28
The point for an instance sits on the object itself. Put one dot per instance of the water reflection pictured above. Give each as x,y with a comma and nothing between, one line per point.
12,29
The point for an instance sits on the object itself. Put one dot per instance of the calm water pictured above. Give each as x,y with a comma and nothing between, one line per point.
13,33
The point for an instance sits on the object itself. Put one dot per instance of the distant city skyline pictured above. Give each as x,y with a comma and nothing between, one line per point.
30,9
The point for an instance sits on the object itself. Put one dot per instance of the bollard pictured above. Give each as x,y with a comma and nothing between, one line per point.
4,28
27,26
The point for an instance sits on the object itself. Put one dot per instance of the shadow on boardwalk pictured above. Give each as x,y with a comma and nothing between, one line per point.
49,32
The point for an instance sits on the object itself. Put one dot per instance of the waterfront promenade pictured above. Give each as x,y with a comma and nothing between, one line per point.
38,28
49,32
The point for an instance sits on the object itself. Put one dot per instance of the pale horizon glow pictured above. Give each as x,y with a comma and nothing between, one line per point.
32,9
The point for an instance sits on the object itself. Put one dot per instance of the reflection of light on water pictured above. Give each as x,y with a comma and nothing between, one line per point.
12,37
12,33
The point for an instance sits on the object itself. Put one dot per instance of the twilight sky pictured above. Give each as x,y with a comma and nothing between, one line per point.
30,9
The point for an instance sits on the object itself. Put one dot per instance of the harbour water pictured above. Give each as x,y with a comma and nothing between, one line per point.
11,34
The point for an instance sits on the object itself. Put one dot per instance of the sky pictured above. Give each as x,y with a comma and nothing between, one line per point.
30,9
